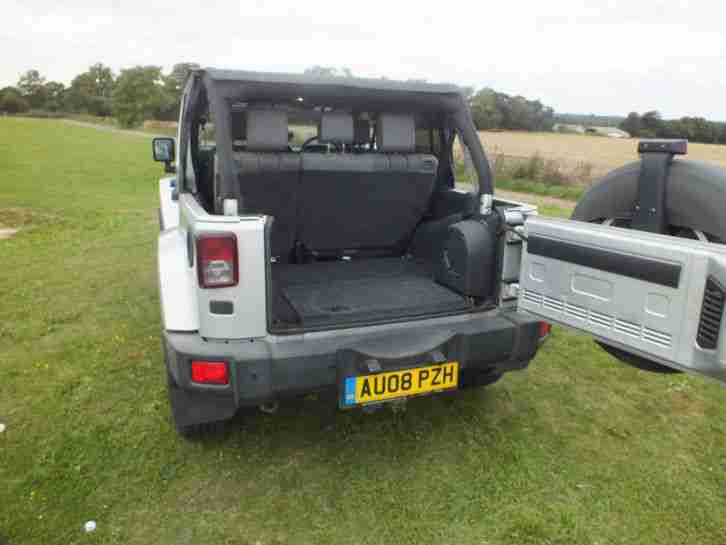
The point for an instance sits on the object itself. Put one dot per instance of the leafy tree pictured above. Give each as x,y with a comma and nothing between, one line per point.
492,110
32,88
651,121
179,74
632,124
485,111
103,80
12,102
695,129
139,92
91,91
173,88
55,96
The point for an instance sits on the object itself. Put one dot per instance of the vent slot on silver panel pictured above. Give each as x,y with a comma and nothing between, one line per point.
599,319
709,325
656,337
532,297
553,304
604,320
628,328
576,311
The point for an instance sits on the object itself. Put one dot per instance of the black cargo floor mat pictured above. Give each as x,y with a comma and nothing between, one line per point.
339,293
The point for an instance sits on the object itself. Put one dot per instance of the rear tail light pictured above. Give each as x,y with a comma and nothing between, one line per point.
217,265
210,372
544,330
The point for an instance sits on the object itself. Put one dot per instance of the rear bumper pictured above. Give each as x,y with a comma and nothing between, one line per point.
279,366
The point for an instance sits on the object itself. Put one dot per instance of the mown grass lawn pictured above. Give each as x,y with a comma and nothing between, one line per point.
579,449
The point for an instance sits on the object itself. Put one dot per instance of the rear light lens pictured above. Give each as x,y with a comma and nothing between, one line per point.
217,265
544,329
210,372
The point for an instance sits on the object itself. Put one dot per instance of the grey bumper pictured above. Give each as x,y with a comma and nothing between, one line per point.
278,366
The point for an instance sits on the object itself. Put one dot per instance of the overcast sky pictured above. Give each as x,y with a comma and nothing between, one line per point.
607,57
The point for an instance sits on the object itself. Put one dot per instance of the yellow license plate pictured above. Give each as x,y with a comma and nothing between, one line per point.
395,384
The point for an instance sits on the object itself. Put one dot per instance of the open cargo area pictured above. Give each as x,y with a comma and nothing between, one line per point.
344,292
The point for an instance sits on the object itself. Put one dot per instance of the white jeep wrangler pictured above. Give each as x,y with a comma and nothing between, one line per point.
313,238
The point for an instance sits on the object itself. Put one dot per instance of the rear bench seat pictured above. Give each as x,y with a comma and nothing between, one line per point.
269,176
366,200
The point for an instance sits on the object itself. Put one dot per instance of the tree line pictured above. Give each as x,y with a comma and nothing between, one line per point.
145,92
492,110
695,129
133,95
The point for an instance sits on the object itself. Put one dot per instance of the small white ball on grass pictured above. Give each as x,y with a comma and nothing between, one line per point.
2,427
90,526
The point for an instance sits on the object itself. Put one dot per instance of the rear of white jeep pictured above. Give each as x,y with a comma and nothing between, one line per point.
314,238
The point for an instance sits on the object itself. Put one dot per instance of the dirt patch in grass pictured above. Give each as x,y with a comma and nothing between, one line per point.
6,233
15,218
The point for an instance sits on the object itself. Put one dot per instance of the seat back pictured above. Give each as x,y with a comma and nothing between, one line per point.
364,200
269,176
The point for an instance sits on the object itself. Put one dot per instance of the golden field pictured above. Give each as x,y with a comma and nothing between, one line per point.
579,157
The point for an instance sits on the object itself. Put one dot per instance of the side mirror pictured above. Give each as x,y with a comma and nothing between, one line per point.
163,149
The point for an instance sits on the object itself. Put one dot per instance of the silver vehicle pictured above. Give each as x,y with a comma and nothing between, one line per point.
313,237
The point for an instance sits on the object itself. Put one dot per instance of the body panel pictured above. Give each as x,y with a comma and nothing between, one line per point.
177,283
168,205
248,298
638,291
277,366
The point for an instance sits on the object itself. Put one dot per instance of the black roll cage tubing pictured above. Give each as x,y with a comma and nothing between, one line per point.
201,84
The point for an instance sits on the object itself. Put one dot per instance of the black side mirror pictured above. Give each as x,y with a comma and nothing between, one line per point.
164,152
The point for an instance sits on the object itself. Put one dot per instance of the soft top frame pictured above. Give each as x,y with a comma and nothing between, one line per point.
225,88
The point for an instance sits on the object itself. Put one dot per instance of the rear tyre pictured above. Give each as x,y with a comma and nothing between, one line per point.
695,200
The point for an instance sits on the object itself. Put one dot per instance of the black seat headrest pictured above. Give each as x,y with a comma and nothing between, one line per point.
267,130
396,133
336,127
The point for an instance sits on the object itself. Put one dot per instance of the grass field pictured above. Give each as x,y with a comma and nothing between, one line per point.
574,152
577,450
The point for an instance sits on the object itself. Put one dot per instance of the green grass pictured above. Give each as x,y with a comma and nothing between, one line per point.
151,127
579,449
568,192
94,119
